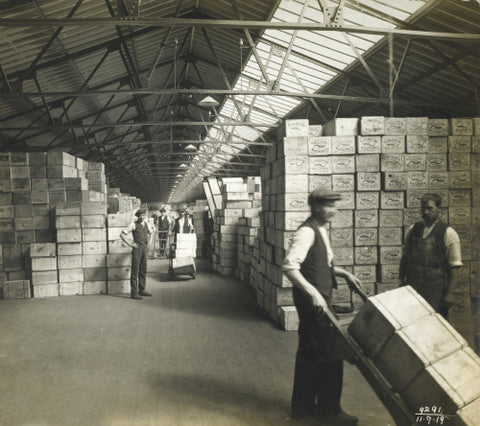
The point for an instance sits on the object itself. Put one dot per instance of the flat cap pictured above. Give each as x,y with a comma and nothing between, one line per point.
139,212
321,194
163,210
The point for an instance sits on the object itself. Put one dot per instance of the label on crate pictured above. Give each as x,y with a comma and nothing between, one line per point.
366,273
459,197
417,125
295,145
365,236
341,237
367,200
437,127
366,255
343,164
459,161
344,256
366,218
344,182
436,162
395,126
367,163
459,215
391,218
417,144
461,126
293,201
368,182
369,144
320,145
459,180
414,197
320,166
390,236
417,180
393,144
415,162
372,125
315,130
294,128
411,216
389,273
342,219
343,145
318,181
393,162
392,200
438,180
459,143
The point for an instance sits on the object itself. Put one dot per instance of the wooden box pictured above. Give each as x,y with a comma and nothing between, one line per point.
45,290
412,348
69,249
119,273
369,144
461,126
417,144
95,287
392,200
437,127
343,164
69,235
383,314
288,318
341,127
18,289
367,163
366,237
118,286
368,181
62,222
94,234
366,218
319,145
366,255
367,200
393,144
295,128
70,275
70,288
44,277
44,263
42,249
417,125
389,236
374,125
395,126
319,166
343,145
69,262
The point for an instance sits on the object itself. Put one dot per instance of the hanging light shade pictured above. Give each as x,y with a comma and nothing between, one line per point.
183,166
208,101
190,148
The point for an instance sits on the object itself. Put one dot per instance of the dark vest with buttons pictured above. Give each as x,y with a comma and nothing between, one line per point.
140,233
315,269
427,262
163,223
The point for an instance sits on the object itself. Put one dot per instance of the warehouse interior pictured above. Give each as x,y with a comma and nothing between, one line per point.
236,110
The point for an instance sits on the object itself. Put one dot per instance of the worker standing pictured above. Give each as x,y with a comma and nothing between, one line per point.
308,264
140,231
431,257
183,224
164,224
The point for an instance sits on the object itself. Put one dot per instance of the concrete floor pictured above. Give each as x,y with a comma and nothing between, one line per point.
199,352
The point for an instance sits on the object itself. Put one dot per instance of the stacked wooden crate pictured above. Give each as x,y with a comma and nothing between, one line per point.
247,231
237,201
421,356
43,270
381,166
200,220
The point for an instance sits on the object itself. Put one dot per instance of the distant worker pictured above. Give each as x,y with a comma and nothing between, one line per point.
140,231
183,224
318,380
431,257
164,224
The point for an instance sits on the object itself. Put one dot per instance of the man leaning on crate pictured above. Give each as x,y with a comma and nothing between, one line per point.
308,264
140,231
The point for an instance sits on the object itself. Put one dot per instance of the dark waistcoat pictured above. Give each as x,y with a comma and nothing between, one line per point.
140,233
315,269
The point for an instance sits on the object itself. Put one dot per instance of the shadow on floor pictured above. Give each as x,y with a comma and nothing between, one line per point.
221,397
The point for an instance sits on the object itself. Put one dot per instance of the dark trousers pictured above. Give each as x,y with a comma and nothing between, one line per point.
317,387
139,269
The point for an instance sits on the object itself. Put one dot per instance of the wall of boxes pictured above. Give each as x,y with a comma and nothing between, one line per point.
53,226
382,166
240,200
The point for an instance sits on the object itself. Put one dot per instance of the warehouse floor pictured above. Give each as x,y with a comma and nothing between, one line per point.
199,352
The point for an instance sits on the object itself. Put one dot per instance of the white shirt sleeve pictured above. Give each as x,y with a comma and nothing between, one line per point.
129,228
302,241
452,243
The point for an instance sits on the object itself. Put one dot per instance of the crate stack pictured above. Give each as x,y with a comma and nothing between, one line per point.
97,181
43,270
240,197
200,217
247,231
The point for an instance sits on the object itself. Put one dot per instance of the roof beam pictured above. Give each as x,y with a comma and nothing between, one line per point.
220,23
206,92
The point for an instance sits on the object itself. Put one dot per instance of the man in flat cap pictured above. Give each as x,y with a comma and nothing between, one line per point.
183,224
164,225
140,231
309,266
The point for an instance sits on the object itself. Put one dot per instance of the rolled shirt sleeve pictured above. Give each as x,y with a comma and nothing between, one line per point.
454,252
129,228
301,243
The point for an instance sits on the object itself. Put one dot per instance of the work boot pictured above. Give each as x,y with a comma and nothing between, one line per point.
145,293
136,296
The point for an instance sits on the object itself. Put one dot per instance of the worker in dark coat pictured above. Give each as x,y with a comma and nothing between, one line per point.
432,257
164,224
183,224
140,231
309,266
